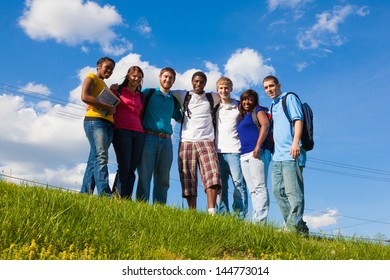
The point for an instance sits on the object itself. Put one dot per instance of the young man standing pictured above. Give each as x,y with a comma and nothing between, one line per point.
197,143
157,155
288,158
228,147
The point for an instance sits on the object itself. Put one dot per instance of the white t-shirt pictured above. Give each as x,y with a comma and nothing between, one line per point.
199,126
227,139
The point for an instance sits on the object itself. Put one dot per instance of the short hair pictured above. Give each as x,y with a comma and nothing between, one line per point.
270,77
225,81
168,69
104,59
199,73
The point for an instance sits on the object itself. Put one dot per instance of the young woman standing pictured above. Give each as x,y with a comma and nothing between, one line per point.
98,128
255,157
129,135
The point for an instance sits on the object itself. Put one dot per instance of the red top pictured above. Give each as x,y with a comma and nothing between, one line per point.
128,111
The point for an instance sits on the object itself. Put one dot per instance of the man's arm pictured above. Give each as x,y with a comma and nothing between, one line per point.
295,148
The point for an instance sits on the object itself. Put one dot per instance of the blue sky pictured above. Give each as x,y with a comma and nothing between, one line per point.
334,54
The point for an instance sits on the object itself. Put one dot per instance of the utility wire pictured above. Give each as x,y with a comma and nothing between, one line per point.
349,166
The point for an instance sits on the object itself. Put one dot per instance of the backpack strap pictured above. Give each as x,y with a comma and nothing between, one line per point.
284,105
211,100
186,101
145,100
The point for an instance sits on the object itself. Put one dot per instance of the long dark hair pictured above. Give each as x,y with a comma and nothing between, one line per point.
245,95
125,82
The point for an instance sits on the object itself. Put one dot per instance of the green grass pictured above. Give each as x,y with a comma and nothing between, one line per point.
41,224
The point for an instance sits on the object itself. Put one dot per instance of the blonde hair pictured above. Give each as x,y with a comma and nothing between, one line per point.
225,81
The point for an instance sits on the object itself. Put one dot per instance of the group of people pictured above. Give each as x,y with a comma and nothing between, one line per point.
222,137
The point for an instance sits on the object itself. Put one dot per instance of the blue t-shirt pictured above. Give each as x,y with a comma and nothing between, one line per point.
282,130
159,111
248,132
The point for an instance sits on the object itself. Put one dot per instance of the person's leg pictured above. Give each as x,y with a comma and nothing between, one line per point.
88,179
294,190
146,167
240,193
209,171
278,189
122,143
161,171
222,205
138,140
187,164
259,193
99,134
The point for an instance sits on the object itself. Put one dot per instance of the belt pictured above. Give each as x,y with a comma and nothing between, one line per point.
158,134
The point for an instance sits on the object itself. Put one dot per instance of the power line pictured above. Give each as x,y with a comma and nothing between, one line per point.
350,174
350,166
40,96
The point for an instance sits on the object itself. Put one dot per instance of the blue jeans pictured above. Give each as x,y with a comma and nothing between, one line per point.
230,166
128,145
287,182
99,134
156,161
256,175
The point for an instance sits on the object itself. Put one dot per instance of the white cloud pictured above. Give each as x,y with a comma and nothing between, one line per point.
274,4
32,87
296,6
322,219
143,27
325,31
74,22
301,66
247,68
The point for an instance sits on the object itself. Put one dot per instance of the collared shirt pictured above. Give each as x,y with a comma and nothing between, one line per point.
227,139
128,111
159,112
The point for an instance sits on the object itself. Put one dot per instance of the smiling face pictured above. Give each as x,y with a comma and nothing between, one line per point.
166,80
248,103
198,84
105,69
272,88
224,92
135,78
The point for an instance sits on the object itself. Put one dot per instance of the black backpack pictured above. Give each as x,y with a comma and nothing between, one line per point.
307,138
268,143
213,110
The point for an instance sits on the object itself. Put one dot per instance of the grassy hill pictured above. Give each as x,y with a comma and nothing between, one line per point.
42,224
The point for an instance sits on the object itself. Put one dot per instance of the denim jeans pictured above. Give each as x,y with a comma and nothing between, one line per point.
230,166
99,134
287,182
256,175
156,161
128,145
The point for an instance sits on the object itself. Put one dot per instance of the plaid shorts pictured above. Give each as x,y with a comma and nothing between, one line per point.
192,155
